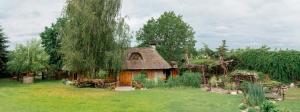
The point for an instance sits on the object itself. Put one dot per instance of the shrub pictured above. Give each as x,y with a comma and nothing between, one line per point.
224,81
140,78
227,86
139,81
268,106
281,65
174,82
214,81
251,109
161,83
190,79
187,79
154,84
230,86
253,93
150,84
242,106
102,74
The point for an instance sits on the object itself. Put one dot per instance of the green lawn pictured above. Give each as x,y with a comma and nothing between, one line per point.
292,101
53,96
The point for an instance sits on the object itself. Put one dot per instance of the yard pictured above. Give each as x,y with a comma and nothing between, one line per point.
53,96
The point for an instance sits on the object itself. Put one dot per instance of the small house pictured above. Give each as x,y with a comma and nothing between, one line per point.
148,61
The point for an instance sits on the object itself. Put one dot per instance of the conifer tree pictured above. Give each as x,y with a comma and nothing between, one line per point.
3,51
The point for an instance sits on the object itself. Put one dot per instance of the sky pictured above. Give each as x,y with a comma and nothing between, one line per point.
243,23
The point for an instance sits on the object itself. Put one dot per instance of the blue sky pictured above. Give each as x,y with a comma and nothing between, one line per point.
242,23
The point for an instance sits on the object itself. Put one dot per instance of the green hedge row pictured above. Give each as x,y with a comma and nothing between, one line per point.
280,65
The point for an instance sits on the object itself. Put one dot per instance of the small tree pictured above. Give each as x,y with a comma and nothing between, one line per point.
29,58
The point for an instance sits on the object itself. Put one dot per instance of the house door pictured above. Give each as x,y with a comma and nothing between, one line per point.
125,78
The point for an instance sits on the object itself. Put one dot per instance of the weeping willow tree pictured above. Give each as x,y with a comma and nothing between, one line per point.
95,36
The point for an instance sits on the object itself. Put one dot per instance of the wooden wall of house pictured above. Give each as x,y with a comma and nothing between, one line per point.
174,72
151,74
156,74
127,75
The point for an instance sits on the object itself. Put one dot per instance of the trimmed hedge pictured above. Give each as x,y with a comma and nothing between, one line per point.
280,65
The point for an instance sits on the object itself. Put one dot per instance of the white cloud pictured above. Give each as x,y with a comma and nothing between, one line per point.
25,19
243,23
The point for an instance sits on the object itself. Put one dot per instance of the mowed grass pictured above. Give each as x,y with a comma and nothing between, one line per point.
292,100
53,96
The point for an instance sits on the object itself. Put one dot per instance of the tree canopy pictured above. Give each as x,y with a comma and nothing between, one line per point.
173,37
3,50
51,41
94,36
30,57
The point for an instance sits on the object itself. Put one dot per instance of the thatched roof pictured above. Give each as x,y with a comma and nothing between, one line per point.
144,58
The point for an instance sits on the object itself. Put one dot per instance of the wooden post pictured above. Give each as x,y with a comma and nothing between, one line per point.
282,93
202,68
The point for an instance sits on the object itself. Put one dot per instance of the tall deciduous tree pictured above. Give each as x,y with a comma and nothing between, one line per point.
51,41
173,37
3,51
94,37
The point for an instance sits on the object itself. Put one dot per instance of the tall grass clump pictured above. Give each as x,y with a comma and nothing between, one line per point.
174,82
188,79
140,78
253,93
191,79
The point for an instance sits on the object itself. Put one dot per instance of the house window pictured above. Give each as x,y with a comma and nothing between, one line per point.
135,56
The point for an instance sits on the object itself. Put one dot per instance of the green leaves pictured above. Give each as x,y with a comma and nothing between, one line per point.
94,36
3,51
254,93
222,49
172,35
280,65
51,41
28,58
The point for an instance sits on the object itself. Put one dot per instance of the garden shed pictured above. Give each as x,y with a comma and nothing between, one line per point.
148,61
